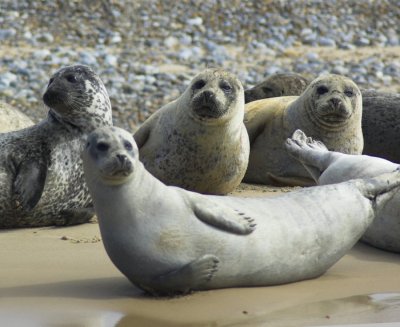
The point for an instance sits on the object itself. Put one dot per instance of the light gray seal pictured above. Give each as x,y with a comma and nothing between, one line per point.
199,142
169,240
41,175
12,119
329,110
329,167
277,85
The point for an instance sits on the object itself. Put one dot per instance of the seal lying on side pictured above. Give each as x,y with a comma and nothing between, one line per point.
167,240
328,110
277,85
41,176
199,142
328,167
12,119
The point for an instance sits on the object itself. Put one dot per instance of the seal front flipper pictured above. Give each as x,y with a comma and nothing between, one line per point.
30,178
222,217
181,281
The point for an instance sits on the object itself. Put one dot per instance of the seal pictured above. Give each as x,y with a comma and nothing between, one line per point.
41,175
277,85
12,119
167,240
381,124
329,167
329,110
199,142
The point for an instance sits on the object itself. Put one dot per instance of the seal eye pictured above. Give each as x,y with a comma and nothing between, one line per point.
199,85
51,81
101,146
322,90
225,87
128,145
71,78
88,144
349,93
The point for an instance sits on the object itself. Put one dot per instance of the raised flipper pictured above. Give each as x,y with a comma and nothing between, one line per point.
313,154
143,133
222,216
190,277
74,216
29,181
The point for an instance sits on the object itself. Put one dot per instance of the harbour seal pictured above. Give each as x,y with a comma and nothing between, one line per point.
12,119
329,110
169,240
329,167
199,142
277,85
41,176
381,124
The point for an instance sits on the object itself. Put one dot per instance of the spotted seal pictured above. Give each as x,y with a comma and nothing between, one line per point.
199,141
167,240
277,85
329,110
41,176
329,167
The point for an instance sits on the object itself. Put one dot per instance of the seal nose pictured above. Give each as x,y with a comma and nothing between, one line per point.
336,102
206,96
122,158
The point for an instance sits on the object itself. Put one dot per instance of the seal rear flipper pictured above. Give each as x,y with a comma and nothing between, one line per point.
183,280
29,183
74,216
222,217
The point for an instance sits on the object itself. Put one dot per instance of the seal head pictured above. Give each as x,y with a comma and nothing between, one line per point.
212,96
111,152
76,94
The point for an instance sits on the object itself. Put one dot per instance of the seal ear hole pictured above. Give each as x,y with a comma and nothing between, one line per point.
102,146
322,90
71,78
349,93
199,85
128,145
225,86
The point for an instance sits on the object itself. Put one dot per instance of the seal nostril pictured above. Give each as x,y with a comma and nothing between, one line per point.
335,102
122,158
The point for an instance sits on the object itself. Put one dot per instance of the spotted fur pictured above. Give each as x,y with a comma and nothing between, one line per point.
78,103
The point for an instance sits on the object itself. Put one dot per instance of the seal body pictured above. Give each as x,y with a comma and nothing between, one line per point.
199,141
41,176
167,240
329,167
12,119
277,85
381,124
329,110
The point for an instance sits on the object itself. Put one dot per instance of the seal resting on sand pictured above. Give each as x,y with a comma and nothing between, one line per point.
329,110
41,175
168,240
329,167
199,142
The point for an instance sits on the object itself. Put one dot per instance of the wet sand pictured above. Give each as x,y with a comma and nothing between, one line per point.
64,274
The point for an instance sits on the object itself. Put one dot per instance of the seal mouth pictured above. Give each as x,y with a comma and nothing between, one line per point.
117,168
53,98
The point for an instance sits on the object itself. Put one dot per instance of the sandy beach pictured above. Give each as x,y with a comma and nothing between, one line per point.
63,277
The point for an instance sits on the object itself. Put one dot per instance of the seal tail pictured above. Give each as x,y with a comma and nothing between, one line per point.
313,154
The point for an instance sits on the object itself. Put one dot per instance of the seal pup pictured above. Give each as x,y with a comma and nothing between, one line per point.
329,167
277,85
329,110
12,119
168,240
199,142
41,176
